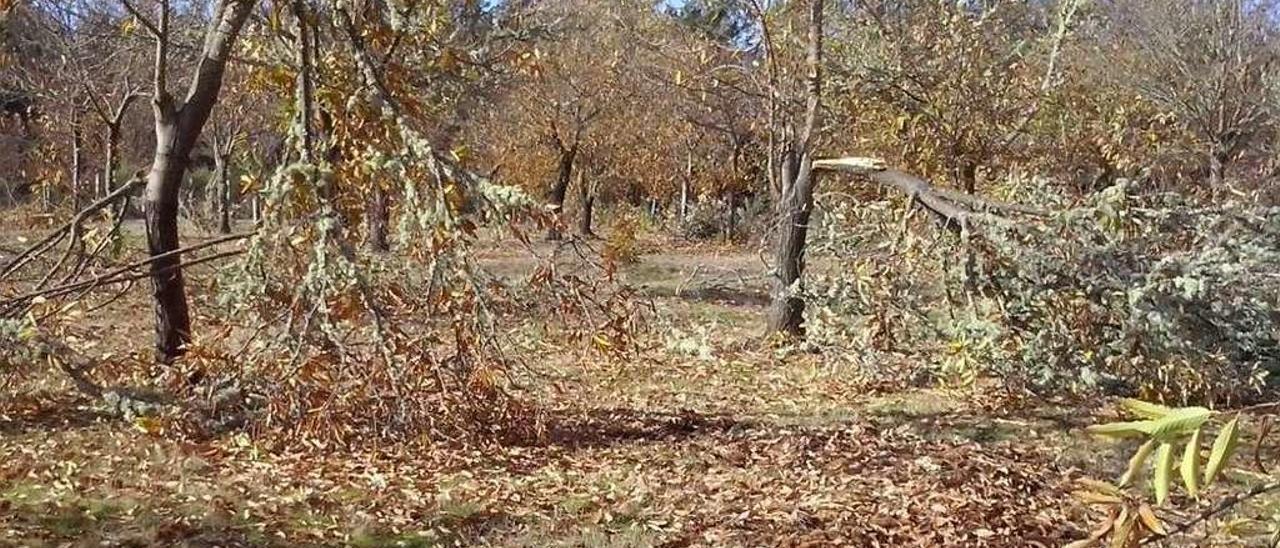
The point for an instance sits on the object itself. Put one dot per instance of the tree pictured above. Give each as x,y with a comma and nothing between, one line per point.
558,103
178,125
791,162
1204,61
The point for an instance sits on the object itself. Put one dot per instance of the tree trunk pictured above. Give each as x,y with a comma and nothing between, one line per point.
113,143
160,208
376,220
786,314
969,176
75,168
225,192
555,198
1218,160
588,200
684,199
731,220
178,126
685,184
797,182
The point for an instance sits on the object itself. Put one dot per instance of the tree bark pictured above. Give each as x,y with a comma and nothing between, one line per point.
109,169
786,313
114,124
75,167
588,200
969,176
555,198
685,183
178,126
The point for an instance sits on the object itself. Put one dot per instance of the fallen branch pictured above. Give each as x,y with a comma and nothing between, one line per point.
73,225
125,273
952,208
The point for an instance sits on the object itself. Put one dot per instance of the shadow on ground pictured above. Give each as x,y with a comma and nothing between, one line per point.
43,412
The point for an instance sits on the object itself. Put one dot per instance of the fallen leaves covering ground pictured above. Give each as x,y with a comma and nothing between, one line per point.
603,477
734,446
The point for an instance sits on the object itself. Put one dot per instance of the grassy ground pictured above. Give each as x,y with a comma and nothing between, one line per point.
709,439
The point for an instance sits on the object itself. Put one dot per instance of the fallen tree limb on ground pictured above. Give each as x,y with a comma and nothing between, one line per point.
70,227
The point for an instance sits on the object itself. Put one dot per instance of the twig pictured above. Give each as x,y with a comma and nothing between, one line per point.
1222,506
1261,408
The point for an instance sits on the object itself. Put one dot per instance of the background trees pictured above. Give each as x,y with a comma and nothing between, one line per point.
341,204
1204,63
653,107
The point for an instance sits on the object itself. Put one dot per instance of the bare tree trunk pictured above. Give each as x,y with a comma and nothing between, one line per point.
786,313
376,220
969,176
588,200
685,183
684,199
1218,160
221,160
555,198
75,167
109,169
114,120
160,209
178,125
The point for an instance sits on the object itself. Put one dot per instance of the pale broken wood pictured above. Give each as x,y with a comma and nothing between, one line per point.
852,164
952,207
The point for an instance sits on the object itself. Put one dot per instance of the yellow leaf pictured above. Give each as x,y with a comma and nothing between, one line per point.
1136,462
1150,521
1178,423
1119,429
1094,497
1223,446
1163,473
1191,465
1124,528
1100,486
147,425
1144,409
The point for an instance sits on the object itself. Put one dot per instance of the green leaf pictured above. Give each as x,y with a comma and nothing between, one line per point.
1174,424
1223,446
1177,423
1144,409
1191,465
1136,462
1164,472
1120,429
